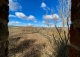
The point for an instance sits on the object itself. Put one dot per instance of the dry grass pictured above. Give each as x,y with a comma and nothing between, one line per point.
29,42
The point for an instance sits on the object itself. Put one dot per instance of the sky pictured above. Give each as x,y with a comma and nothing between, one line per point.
33,12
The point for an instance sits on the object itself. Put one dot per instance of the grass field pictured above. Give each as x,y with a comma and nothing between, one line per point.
31,41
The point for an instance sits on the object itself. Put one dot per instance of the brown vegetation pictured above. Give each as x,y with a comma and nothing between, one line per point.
28,42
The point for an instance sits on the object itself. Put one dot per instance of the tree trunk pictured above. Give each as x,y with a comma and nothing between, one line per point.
4,8
74,49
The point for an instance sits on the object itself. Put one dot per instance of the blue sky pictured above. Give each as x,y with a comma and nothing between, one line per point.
32,12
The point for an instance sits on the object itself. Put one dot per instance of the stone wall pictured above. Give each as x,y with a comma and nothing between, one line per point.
74,49
4,8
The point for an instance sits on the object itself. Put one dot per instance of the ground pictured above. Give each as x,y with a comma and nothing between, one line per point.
30,42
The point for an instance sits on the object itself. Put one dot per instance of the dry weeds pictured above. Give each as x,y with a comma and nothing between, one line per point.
28,42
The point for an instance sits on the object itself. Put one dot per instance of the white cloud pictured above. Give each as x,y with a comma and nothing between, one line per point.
51,17
29,24
47,16
14,5
43,5
11,15
55,16
21,15
43,21
31,17
14,23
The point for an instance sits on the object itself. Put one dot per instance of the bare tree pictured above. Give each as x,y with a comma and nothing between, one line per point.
64,13
64,8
